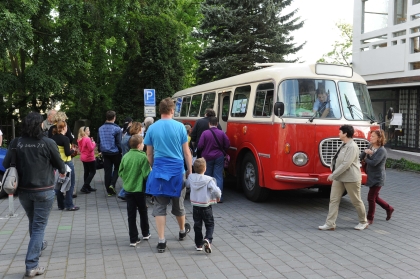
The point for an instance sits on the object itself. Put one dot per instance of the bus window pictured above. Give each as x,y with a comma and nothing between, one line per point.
240,101
308,98
185,106
208,102
264,100
355,100
225,108
195,105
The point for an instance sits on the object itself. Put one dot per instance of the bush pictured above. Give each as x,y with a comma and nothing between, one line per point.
402,164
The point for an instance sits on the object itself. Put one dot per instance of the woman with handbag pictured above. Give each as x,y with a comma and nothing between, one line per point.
375,159
87,156
213,144
63,144
36,159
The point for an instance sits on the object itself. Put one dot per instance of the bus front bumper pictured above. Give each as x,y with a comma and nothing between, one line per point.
305,178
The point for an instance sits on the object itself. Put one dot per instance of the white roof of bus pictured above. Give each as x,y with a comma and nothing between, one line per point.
277,72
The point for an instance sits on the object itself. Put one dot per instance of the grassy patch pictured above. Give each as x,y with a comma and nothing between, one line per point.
402,164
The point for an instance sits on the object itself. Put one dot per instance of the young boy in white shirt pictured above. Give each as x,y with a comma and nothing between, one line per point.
204,193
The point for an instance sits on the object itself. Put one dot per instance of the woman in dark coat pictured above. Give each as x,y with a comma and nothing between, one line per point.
375,159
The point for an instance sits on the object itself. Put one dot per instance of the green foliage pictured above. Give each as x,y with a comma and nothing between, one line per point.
402,164
239,34
342,49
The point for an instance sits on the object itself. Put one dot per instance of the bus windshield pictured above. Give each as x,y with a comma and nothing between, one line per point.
309,98
355,100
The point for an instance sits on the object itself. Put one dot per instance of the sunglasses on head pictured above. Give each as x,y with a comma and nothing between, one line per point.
84,129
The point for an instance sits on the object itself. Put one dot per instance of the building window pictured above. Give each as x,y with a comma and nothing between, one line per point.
415,45
394,43
380,46
403,41
400,11
373,40
415,66
364,49
399,33
416,16
375,15
416,2
415,29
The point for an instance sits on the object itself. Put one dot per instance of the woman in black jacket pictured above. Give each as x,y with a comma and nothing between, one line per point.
63,144
375,159
37,157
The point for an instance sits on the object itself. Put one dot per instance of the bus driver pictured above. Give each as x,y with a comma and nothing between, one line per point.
322,105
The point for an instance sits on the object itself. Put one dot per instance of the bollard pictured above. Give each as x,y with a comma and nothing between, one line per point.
11,207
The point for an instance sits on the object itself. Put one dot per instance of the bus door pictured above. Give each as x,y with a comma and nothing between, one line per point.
223,109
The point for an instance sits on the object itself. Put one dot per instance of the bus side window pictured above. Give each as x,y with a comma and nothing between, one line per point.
240,101
263,105
195,105
208,102
185,106
225,108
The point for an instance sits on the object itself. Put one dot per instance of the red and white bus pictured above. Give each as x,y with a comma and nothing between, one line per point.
279,140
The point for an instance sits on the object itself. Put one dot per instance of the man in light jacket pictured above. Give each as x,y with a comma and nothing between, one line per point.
346,176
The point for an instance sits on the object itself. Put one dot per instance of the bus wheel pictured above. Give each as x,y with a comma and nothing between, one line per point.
326,191
249,179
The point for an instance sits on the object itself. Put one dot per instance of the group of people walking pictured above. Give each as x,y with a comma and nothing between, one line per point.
346,176
158,161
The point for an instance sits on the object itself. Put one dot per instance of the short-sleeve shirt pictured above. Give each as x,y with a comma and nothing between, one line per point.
167,137
1,133
318,104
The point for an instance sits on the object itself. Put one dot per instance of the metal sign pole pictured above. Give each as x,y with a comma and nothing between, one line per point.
11,208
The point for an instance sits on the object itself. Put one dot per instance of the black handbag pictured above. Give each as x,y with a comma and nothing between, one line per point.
99,161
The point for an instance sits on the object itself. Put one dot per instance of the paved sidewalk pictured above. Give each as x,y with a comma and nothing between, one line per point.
275,239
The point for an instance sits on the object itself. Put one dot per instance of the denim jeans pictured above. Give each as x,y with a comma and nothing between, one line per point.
111,162
67,201
136,201
215,169
37,206
200,215
122,193
90,171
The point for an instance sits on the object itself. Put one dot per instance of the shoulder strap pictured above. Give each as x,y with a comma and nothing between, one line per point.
218,143
14,155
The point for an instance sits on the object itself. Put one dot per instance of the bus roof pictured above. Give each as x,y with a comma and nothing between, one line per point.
275,71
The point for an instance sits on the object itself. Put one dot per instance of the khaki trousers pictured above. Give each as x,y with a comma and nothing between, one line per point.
353,190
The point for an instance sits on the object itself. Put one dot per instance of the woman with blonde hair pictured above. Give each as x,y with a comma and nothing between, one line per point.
87,156
375,159
63,144
60,116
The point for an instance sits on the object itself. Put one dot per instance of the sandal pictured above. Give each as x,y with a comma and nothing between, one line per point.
73,208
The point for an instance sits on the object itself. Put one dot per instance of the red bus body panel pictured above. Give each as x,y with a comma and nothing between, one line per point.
267,143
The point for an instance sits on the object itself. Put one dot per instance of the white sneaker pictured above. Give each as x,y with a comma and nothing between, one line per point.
134,244
325,227
361,226
198,248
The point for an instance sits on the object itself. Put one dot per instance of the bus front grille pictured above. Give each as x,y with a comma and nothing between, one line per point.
328,148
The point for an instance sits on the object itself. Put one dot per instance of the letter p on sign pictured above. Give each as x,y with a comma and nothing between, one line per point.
149,97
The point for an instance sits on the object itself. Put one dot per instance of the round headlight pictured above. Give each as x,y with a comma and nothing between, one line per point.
300,159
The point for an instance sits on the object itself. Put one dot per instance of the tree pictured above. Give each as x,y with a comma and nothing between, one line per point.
240,33
342,49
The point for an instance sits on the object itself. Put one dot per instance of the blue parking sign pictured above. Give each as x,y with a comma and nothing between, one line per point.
149,97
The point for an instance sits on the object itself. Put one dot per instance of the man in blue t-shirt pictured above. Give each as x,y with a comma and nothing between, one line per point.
167,147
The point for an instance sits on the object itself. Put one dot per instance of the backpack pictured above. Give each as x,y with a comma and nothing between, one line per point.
10,179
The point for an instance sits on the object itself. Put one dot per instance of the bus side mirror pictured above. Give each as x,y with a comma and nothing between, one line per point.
279,108
390,113
225,118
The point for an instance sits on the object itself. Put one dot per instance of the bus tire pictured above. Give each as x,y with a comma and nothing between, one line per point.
326,191
249,180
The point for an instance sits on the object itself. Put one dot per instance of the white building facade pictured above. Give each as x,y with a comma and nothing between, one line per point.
386,52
